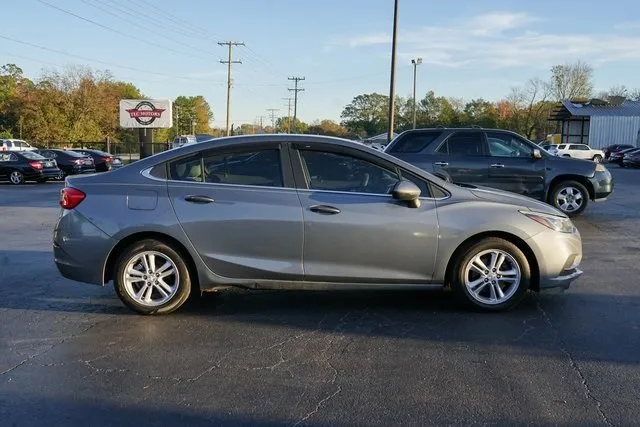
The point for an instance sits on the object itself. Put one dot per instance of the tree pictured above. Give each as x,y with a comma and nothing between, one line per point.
283,124
367,114
482,113
571,81
192,114
329,128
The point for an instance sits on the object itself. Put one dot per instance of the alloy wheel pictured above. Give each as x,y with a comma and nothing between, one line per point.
15,177
569,199
151,278
492,276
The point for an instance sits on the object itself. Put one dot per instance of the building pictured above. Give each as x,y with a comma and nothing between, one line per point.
599,123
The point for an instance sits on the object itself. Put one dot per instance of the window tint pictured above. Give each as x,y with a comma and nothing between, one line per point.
339,172
463,144
75,154
187,169
561,147
32,156
506,145
580,147
414,143
261,168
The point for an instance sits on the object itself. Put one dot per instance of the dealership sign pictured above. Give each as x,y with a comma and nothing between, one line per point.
145,113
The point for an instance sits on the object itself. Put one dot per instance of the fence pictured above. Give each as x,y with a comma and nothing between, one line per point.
127,151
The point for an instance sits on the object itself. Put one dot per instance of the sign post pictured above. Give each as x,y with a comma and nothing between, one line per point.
146,115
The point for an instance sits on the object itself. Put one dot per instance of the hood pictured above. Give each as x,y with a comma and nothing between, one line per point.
500,196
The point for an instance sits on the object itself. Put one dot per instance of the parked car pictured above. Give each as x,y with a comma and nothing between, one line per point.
617,156
103,161
614,149
302,211
580,151
69,162
504,160
21,166
632,159
182,140
15,145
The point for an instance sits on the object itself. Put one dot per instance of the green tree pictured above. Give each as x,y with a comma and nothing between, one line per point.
283,124
367,114
329,128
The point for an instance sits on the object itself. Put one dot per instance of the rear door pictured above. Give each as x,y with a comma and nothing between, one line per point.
580,151
245,220
512,166
354,230
463,156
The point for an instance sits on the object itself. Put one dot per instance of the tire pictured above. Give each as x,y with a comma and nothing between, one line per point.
597,158
165,296
575,204
16,177
479,290
60,176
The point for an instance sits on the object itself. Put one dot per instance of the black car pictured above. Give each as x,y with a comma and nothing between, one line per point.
617,156
69,162
21,166
609,150
104,162
631,159
504,160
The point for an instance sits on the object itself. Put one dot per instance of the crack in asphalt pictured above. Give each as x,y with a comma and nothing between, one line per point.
574,366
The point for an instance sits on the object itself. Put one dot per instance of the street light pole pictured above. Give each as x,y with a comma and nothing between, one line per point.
392,87
415,63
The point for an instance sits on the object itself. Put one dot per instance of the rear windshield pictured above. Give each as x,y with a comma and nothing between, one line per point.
414,142
75,154
32,156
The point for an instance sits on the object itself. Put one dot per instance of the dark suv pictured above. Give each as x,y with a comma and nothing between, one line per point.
504,160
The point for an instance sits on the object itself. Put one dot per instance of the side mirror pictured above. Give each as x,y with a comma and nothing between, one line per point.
536,153
407,191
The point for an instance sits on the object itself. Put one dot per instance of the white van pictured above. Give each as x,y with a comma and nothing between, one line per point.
15,145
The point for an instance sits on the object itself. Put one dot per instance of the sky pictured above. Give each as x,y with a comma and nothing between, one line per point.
470,48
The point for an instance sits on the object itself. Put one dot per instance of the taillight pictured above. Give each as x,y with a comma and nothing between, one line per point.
107,159
35,165
78,162
71,197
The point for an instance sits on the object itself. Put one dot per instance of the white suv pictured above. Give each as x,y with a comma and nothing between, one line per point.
579,151
15,145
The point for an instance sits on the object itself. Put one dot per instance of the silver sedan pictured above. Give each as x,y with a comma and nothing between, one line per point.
304,212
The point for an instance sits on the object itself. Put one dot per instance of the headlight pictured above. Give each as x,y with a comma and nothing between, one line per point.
554,222
600,168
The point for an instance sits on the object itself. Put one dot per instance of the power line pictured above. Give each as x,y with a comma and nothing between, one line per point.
152,30
230,44
295,98
273,116
106,27
84,58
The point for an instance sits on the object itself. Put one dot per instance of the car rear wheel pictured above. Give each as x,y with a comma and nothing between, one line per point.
491,275
152,278
571,197
16,177
597,158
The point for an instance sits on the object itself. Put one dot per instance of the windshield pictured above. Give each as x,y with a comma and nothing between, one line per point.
32,156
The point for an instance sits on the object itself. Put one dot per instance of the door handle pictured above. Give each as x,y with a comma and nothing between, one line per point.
497,165
443,164
199,199
324,209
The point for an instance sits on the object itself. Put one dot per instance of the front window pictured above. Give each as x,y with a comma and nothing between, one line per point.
340,172
506,145
463,144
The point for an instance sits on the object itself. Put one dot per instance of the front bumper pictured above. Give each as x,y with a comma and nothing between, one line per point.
559,255
602,183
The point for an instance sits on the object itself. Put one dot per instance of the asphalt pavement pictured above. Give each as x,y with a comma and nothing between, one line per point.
71,354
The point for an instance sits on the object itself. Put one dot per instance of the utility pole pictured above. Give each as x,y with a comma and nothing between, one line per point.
295,100
230,44
273,116
289,114
415,63
392,83
261,118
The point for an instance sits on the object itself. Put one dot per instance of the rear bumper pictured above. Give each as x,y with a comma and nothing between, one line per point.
559,255
80,249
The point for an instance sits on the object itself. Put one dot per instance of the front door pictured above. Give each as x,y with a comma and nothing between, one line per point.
354,230
239,212
463,157
512,166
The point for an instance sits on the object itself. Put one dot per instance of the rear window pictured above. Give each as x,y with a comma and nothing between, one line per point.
32,156
414,142
561,147
75,154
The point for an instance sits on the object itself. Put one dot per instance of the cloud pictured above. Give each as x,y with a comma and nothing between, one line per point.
503,40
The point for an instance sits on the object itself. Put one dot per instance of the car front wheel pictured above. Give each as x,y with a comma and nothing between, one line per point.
152,278
491,275
571,197
597,158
